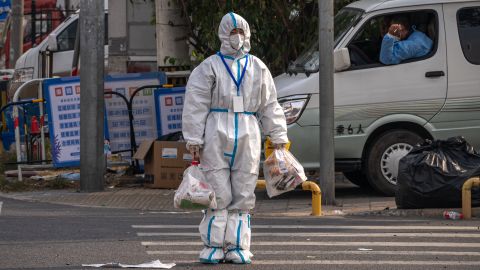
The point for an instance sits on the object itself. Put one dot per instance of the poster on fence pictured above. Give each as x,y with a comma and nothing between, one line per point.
63,109
169,106
143,107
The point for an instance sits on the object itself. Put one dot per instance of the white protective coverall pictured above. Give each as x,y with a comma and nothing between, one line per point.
230,141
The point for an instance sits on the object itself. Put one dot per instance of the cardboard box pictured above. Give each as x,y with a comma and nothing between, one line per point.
164,162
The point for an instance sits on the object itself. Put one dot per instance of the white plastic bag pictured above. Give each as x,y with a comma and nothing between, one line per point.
194,192
282,172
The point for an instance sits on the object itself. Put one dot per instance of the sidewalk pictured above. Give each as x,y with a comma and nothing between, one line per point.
350,199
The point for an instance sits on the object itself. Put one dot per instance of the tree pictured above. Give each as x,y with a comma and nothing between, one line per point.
281,29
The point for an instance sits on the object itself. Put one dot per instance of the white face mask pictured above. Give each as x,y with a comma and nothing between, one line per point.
236,41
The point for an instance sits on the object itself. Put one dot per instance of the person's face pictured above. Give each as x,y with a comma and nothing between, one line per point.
237,37
237,31
399,30
403,32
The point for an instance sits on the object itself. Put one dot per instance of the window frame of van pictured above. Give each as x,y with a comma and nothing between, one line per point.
67,28
460,37
432,53
77,20
339,38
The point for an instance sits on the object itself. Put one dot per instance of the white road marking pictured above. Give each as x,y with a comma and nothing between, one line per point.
362,244
173,212
307,257
1,204
351,262
296,234
326,252
438,228
369,262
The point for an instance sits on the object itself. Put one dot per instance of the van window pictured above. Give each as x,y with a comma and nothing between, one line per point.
366,45
469,31
66,39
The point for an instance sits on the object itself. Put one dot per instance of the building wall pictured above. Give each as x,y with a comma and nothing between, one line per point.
172,33
132,44
72,4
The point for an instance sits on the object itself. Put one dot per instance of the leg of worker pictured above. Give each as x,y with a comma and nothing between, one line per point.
212,231
238,233
212,228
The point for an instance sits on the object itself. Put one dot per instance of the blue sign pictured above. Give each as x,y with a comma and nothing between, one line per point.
145,122
169,108
5,7
63,109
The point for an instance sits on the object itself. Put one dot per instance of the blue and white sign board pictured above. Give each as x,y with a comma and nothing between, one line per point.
145,122
5,7
169,107
63,108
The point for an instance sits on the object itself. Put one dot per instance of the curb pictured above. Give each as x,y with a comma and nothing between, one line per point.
118,201
433,212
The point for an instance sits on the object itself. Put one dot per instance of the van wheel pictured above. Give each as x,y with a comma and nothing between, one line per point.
384,156
357,177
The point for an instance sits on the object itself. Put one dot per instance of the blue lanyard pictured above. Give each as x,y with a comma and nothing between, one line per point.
239,82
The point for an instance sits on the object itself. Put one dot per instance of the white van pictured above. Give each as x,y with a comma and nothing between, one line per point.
382,111
61,42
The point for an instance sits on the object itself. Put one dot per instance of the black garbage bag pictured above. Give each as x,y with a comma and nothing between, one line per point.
432,174
172,137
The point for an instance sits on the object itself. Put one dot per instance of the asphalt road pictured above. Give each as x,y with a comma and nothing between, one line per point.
47,236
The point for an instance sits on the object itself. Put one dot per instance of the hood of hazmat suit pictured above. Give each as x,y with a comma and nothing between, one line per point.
229,96
228,23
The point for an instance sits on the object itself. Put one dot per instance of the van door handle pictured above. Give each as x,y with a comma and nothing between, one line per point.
434,74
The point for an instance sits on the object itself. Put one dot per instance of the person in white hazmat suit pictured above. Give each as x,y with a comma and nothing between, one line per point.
227,96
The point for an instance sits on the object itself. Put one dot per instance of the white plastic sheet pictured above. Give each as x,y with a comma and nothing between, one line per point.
194,192
157,264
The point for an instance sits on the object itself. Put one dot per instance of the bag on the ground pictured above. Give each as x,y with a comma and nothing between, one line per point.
432,174
282,172
172,137
194,192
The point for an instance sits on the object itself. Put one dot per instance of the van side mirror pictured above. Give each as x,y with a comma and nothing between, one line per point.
341,59
52,42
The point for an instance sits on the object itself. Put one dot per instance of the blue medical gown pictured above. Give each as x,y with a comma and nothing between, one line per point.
394,51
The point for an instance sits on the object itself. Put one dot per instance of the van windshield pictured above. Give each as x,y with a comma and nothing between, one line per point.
308,61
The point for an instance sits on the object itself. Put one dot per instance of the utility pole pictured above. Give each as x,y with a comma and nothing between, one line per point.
17,31
327,154
92,33
33,21
68,8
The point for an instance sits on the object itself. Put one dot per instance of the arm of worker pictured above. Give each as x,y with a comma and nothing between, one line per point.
394,51
196,108
270,113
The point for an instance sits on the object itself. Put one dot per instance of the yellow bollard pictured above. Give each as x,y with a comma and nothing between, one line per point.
309,186
316,197
38,100
261,184
467,196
